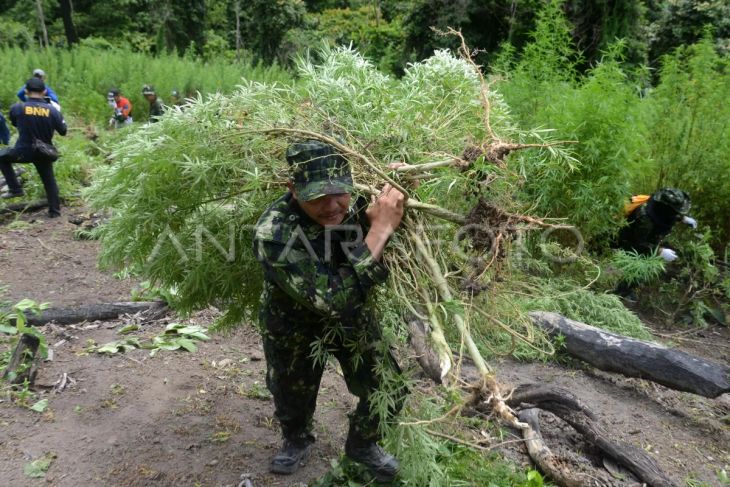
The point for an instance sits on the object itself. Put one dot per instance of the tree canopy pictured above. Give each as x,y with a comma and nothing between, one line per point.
391,32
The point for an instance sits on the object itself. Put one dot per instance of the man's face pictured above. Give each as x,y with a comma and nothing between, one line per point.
326,210
117,97
150,98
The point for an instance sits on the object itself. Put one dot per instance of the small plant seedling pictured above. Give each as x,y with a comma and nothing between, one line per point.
38,467
220,436
40,406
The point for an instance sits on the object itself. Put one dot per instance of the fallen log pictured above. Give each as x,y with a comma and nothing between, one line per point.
637,358
23,206
93,312
562,403
545,460
23,363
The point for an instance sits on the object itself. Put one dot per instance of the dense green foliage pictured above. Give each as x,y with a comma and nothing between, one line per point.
689,134
240,172
81,77
632,139
393,32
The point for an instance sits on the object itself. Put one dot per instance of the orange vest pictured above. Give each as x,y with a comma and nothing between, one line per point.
636,201
125,106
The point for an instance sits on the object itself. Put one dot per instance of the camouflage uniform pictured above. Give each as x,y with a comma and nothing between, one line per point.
318,291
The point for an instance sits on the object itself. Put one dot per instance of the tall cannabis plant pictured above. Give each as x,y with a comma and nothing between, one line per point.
185,193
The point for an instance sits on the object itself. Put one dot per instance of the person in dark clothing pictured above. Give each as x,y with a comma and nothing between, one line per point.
156,106
41,75
650,223
36,121
321,258
4,131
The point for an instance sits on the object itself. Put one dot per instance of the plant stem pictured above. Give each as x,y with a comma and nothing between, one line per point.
433,210
443,288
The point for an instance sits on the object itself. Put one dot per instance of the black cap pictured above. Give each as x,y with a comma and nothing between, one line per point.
114,91
35,85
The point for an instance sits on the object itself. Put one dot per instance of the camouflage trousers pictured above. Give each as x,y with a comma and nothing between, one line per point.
293,375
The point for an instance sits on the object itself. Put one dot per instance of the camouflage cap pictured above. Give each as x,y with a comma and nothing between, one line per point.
674,198
317,169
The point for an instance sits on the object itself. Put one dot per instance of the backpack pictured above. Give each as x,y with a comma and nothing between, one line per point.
636,201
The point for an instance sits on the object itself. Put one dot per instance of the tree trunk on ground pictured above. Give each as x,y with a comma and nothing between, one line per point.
544,458
67,10
23,364
24,206
93,312
636,358
566,406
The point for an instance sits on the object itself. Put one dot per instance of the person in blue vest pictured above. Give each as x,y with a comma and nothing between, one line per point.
41,75
36,120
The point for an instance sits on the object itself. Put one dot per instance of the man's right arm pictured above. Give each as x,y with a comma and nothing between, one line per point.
385,214
59,123
21,93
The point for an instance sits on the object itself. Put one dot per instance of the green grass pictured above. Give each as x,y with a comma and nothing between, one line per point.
82,77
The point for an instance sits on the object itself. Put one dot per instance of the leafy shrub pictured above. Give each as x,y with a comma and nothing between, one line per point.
688,139
82,76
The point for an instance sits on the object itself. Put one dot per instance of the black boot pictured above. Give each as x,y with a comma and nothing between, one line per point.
12,194
381,464
291,454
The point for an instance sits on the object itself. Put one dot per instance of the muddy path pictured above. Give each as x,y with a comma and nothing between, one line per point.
205,418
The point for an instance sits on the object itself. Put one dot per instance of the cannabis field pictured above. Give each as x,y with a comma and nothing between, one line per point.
516,175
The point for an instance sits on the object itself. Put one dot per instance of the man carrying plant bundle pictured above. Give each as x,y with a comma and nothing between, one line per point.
36,121
318,273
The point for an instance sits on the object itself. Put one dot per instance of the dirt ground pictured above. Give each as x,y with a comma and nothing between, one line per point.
205,418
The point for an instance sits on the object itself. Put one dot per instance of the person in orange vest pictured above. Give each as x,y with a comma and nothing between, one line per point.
122,108
650,219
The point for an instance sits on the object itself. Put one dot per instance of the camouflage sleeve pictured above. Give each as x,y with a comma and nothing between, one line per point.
333,292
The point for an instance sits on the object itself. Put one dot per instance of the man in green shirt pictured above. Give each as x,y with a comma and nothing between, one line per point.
156,106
